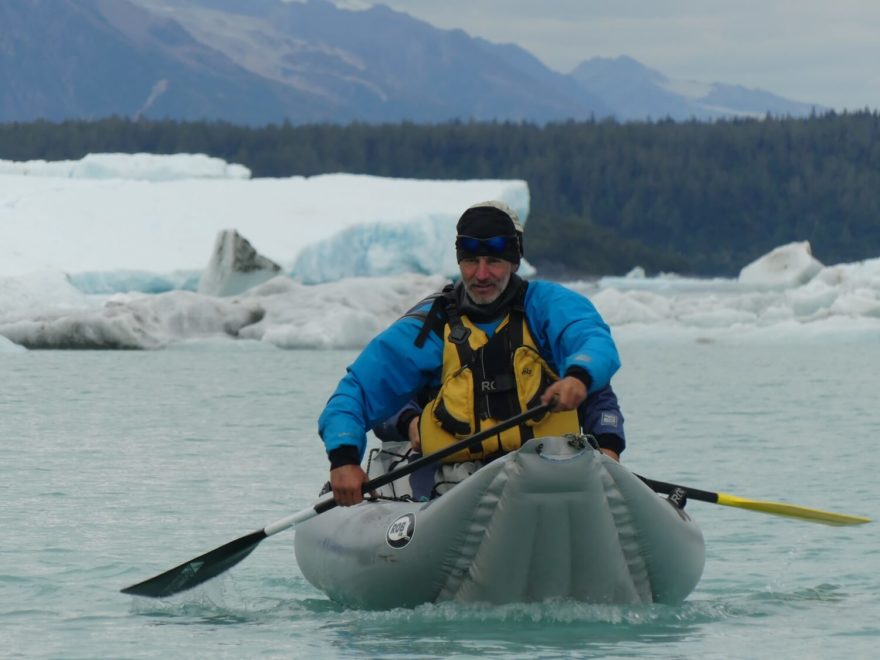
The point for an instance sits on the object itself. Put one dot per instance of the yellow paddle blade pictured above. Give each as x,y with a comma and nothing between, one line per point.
792,511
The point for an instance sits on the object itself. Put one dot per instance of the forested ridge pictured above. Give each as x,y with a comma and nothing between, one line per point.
693,197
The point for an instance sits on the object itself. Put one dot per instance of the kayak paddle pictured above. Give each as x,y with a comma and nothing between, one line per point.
204,567
775,508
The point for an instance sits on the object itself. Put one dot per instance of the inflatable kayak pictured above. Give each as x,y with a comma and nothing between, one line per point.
555,519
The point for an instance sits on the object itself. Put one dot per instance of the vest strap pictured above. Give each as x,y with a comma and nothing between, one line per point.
458,332
430,320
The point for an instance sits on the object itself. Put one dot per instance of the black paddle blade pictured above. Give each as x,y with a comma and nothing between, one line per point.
196,571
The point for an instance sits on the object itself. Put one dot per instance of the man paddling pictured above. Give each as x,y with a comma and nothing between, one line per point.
486,349
600,416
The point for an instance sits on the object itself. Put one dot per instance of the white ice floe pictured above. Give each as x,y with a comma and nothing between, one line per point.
133,322
43,312
281,312
69,247
138,167
784,267
163,230
836,300
235,266
345,314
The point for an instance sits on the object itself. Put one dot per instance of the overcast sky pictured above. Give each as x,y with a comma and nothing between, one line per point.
817,51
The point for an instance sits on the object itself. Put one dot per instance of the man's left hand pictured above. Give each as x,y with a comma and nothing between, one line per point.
570,392
610,453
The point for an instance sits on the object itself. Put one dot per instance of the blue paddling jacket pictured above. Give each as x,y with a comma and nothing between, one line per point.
567,329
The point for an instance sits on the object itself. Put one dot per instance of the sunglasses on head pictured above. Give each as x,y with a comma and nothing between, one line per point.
493,244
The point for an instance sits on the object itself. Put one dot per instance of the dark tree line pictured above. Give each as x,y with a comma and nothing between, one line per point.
687,197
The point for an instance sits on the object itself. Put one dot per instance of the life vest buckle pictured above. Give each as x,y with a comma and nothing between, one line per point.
459,334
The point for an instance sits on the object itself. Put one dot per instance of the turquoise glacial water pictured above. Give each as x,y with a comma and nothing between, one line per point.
119,465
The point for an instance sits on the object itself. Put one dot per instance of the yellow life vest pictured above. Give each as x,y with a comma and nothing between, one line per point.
482,385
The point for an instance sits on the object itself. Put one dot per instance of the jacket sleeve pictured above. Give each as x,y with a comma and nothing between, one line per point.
568,327
378,383
393,429
601,417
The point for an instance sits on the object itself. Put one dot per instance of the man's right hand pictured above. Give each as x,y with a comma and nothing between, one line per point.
347,482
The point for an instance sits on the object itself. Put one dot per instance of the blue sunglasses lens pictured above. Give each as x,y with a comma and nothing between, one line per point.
494,244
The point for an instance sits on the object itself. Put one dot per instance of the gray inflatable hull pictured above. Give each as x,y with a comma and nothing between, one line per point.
552,520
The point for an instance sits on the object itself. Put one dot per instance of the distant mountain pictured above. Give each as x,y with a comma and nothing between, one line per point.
94,58
381,65
633,91
261,61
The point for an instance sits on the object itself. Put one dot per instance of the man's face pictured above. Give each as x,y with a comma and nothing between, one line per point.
485,278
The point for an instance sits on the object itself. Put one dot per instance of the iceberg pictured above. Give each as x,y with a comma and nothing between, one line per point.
89,262
123,234
142,322
839,300
419,245
143,281
7,346
138,167
784,267
338,315
235,266
280,312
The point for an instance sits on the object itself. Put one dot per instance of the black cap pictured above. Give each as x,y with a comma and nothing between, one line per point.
487,220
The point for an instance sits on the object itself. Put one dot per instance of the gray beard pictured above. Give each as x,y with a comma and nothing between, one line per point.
490,311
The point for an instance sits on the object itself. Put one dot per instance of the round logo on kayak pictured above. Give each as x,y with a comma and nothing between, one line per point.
400,532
